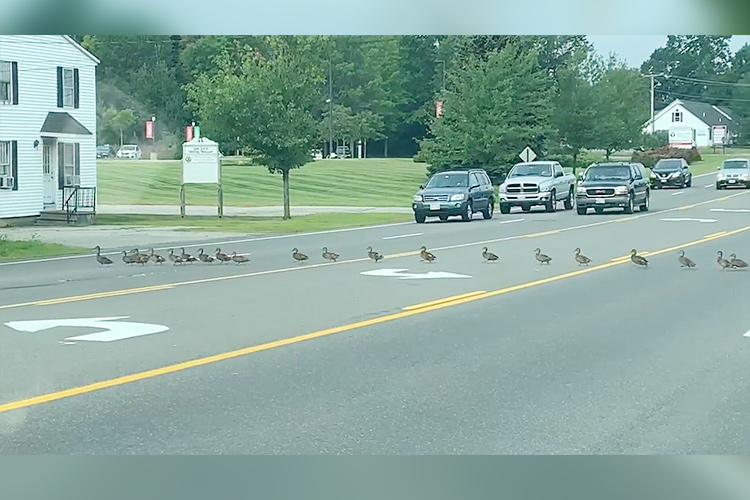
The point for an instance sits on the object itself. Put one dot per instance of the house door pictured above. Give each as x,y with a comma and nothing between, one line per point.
48,173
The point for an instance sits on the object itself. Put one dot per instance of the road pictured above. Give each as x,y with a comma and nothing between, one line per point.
278,357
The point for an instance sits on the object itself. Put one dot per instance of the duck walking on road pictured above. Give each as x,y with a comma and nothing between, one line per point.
298,256
684,261
204,257
222,256
239,259
425,255
723,263
489,256
737,263
376,256
637,259
330,256
128,258
544,259
101,259
157,258
581,259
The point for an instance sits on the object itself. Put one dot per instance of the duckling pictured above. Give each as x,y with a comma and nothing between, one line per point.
684,261
544,259
737,263
204,257
239,259
723,263
329,255
637,259
157,258
128,258
142,258
222,256
187,257
580,258
489,256
298,256
374,255
425,255
174,258
101,258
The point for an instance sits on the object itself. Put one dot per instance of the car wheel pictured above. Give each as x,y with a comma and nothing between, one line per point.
718,186
552,203
644,207
419,218
570,200
581,210
504,208
468,213
690,182
490,210
629,207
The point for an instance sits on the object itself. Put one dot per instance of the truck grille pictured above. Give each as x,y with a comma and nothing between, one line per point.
435,197
594,192
522,188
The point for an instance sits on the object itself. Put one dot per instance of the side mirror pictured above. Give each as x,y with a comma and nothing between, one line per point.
421,186
718,168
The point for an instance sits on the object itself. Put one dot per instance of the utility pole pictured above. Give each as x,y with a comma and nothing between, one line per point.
651,76
443,63
330,106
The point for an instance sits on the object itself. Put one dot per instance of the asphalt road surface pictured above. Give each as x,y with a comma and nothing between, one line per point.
357,357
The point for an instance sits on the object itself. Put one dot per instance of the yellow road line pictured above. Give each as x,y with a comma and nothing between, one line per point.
443,300
135,377
714,235
115,293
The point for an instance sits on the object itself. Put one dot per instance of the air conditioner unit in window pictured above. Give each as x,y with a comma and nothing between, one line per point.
72,180
6,182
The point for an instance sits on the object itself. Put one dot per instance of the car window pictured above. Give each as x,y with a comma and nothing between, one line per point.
637,172
485,179
474,180
608,173
449,180
529,169
731,164
668,165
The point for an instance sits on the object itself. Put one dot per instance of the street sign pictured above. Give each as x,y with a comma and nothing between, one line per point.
403,275
527,154
719,133
112,330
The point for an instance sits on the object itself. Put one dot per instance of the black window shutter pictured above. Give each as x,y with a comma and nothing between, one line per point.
75,88
14,163
78,161
60,165
59,87
14,81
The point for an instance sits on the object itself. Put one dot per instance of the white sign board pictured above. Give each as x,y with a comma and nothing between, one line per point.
200,162
719,134
527,154
681,137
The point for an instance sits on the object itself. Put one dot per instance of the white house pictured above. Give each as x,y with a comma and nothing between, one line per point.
697,118
47,125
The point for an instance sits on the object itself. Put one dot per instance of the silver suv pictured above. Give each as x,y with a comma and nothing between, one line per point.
734,172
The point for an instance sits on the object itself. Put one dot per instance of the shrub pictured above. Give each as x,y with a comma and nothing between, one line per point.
650,157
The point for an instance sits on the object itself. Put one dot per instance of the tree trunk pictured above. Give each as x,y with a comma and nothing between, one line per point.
285,182
386,148
575,162
607,152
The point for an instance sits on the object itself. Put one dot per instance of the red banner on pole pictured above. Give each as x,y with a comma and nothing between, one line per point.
149,129
189,133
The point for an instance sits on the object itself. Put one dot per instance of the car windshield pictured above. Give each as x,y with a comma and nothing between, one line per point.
614,173
735,164
129,148
449,180
526,170
668,165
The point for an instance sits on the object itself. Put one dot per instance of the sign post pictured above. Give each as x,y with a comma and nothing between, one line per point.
201,164
719,133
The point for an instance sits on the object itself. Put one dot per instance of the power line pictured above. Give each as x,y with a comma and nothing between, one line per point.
706,82
680,94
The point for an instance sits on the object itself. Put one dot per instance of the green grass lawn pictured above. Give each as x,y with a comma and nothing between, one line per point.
256,225
373,182
33,249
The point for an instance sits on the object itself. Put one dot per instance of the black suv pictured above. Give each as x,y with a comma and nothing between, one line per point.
613,185
455,192
671,172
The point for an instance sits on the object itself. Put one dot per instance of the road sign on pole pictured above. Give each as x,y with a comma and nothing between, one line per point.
527,154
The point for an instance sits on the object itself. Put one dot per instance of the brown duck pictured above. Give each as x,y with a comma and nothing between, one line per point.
426,256
376,256
723,263
684,261
101,259
637,259
737,263
330,256
298,256
239,259
489,256
544,259
204,257
581,259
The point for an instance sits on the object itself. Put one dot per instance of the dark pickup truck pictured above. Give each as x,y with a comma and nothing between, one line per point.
613,185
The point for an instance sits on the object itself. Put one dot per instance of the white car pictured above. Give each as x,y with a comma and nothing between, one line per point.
130,151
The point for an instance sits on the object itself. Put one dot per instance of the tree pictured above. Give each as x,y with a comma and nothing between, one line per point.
492,111
741,108
267,103
114,123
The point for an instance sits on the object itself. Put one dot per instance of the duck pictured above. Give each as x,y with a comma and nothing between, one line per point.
489,256
376,256
204,257
425,255
298,256
580,258
128,258
157,258
239,259
723,263
101,258
544,259
737,263
684,261
141,258
637,259
222,256
174,258
329,255
187,257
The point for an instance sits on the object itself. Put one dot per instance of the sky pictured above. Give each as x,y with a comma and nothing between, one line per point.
635,49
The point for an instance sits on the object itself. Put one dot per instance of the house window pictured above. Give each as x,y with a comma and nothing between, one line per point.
676,116
6,82
5,159
68,88
69,164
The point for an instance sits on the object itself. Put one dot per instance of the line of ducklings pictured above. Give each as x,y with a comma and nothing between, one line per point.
136,257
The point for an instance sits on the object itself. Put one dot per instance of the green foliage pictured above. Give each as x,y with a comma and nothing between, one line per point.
650,157
658,139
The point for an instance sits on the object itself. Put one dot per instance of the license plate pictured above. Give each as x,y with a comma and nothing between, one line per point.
664,180
600,201
434,206
732,181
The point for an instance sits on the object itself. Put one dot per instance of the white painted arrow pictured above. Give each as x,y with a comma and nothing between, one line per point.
402,274
690,220
740,210
112,331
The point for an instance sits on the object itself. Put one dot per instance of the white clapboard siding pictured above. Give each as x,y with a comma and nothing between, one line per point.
38,58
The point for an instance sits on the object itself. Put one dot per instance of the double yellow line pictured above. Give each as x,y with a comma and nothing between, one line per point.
405,313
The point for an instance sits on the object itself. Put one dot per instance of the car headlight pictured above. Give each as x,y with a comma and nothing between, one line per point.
721,177
545,188
653,175
744,177
621,190
458,197
580,190
417,197
675,174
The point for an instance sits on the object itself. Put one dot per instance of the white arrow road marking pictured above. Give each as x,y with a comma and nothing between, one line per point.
690,220
402,274
112,331
747,334
741,210
402,236
510,221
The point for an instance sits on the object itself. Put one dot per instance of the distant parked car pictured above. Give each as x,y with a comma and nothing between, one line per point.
734,172
613,185
455,192
130,151
105,151
343,152
673,172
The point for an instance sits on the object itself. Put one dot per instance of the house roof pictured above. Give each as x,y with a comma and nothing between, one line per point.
78,46
58,122
707,113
